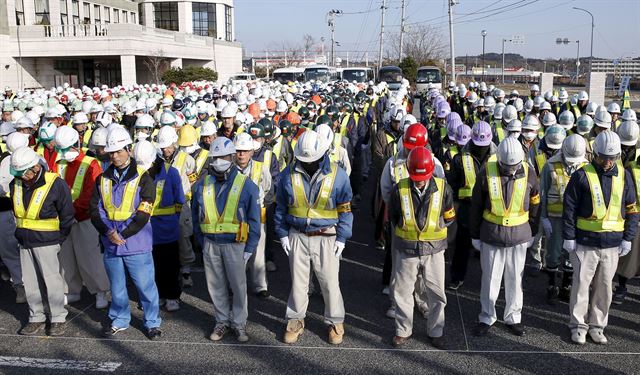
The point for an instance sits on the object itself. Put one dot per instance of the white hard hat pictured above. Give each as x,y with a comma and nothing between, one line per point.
167,118
325,133
583,95
23,159
613,108
6,128
145,154
104,119
549,119
243,142
117,139
150,103
16,141
498,111
310,147
545,106
99,137
221,146
33,116
167,136
566,120
66,137
95,108
144,121
514,126
86,106
603,119
167,101
16,115
607,143
242,99
229,111
80,118
591,108
208,128
509,113
201,107
628,133
563,94
519,104
574,149
531,122
537,101
406,119
528,105
52,112
535,88
23,123
629,115
510,152
281,106
47,131
554,136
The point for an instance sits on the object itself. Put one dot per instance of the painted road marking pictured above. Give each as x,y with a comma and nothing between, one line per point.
59,364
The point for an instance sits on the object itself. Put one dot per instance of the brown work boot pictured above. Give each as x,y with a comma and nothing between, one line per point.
295,327
399,341
336,332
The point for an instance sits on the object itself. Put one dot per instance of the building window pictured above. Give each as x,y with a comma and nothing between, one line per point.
86,8
125,16
75,11
116,16
204,19
96,14
166,15
107,14
227,21
133,17
42,12
19,12
64,18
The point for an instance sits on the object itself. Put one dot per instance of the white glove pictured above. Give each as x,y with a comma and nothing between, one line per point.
569,245
284,241
477,244
338,248
625,248
246,257
546,226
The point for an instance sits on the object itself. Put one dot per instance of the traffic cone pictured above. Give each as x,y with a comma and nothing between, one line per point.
626,103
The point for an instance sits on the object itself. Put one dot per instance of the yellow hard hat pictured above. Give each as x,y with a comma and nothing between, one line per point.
188,136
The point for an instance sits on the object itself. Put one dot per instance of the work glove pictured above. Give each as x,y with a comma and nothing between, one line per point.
546,226
338,248
284,241
246,257
625,248
569,245
477,244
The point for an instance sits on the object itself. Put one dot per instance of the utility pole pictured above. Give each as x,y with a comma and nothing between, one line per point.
331,20
383,8
503,41
401,30
592,27
451,44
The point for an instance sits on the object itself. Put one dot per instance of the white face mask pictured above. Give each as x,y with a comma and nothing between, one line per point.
220,165
71,155
141,136
191,149
514,135
530,136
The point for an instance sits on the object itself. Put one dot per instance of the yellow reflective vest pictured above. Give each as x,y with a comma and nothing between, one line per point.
432,230
126,208
301,206
499,214
603,218
215,223
29,217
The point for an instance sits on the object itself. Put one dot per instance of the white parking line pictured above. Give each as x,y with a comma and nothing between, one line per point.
59,364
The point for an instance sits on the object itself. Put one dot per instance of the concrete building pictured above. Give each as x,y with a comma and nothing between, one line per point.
618,67
45,43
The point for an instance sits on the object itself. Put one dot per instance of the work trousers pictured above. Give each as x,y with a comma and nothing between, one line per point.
187,256
41,276
9,248
257,264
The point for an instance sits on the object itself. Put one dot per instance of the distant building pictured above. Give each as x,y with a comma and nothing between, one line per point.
618,67
46,43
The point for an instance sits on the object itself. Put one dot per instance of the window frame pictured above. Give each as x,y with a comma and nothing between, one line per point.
170,9
208,26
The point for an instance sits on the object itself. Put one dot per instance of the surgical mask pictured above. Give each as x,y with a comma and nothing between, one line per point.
221,165
191,149
71,155
529,136
141,136
515,135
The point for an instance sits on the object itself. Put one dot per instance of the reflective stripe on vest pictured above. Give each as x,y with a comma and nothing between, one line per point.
560,179
443,133
469,176
604,219
277,151
302,208
499,215
343,125
635,172
399,171
30,219
161,211
256,172
410,230
76,188
541,159
214,223
126,209
201,160
453,151
179,163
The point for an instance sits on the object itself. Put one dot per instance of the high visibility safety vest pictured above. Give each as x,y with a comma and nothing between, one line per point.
40,149
603,218
277,151
468,166
499,130
126,209
179,163
3,147
541,159
560,179
256,177
29,218
334,155
400,171
515,214
76,188
410,230
453,151
161,211
635,173
201,160
214,223
301,206
443,133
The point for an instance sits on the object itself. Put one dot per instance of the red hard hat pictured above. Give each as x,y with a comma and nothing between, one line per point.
415,136
420,164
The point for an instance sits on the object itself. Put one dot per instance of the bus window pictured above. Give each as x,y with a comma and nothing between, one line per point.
428,76
358,75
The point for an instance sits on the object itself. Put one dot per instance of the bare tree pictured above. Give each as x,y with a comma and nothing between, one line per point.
157,63
421,42
308,43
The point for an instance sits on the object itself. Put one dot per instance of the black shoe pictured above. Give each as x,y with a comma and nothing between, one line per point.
552,295
263,294
32,329
481,329
57,329
516,329
455,285
619,296
112,331
437,342
565,294
154,333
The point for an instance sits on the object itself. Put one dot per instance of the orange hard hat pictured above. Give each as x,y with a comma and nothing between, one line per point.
316,99
254,110
271,105
293,118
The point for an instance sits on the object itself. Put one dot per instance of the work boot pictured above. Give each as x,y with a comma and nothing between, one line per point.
399,341
101,300
21,296
241,335
598,337
218,332
32,329
578,337
481,329
57,329
516,329
437,342
618,295
336,332
295,328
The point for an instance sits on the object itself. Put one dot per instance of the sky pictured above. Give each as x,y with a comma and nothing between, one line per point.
269,24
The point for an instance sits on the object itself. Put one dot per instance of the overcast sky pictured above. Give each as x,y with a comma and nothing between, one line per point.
267,24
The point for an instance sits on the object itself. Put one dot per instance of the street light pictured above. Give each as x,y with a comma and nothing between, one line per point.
503,41
566,41
592,27
484,34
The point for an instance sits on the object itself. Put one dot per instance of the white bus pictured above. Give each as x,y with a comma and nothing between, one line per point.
285,75
392,75
357,74
428,75
320,73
